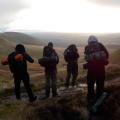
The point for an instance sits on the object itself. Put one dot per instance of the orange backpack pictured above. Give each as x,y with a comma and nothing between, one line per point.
19,57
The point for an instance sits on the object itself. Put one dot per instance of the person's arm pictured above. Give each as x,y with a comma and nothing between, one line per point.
57,57
78,55
44,54
10,63
28,58
86,53
103,47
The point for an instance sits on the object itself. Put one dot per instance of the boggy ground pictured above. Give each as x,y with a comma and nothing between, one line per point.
70,105
73,106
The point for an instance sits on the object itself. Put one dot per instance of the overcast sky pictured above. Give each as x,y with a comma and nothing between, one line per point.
60,15
112,3
9,9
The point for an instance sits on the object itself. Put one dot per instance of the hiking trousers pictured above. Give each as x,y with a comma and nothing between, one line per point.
99,80
51,80
26,81
72,72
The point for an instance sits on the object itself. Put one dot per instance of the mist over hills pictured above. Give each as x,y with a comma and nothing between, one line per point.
80,39
59,39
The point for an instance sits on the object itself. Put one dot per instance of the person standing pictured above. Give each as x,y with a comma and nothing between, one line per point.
96,56
17,61
71,57
49,61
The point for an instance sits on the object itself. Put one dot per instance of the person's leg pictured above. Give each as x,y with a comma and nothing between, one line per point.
100,85
74,79
17,82
74,74
26,81
67,83
17,88
54,82
47,83
90,86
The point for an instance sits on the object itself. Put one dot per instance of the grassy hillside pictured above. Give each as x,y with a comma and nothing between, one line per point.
115,57
6,46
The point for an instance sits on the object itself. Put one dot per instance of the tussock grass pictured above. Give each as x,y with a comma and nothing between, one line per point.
64,108
115,57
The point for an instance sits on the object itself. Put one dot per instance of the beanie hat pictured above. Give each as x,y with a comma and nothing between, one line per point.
20,48
92,39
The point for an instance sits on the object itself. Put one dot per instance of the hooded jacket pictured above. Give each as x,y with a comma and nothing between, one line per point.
97,66
19,67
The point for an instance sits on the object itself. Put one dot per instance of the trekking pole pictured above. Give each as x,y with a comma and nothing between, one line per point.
95,107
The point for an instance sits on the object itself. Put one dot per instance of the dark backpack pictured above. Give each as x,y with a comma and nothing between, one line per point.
47,51
43,61
71,54
54,58
66,54
16,66
50,57
95,51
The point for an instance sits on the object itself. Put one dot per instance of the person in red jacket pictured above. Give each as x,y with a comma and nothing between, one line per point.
96,56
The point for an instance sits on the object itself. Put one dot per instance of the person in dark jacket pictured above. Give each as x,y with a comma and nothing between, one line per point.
71,57
96,56
17,61
50,69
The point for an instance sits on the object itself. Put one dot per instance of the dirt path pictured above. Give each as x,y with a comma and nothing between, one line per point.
41,74
61,91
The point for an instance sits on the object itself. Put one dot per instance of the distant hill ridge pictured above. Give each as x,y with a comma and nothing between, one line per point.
18,37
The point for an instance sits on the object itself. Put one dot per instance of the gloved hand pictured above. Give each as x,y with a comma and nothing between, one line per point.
85,66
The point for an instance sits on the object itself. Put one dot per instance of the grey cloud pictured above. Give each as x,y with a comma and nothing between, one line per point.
8,10
114,3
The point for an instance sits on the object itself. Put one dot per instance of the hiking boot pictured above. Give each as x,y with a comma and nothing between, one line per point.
33,99
74,86
67,87
56,95
19,99
45,97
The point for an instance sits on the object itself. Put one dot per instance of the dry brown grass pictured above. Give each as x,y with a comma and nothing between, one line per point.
111,107
63,108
